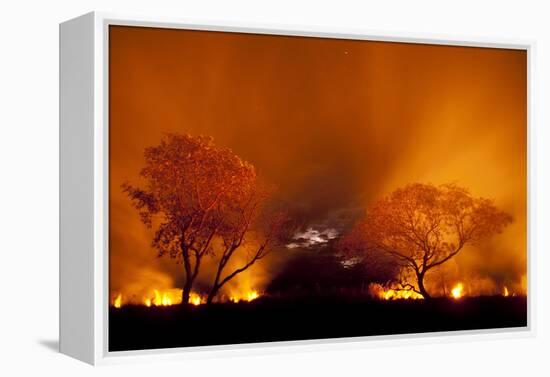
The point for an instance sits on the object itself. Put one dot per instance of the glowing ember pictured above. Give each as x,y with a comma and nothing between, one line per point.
118,301
247,296
457,291
505,292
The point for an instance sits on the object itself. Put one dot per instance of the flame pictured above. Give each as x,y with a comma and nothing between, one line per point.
457,291
118,301
170,297
402,294
383,293
165,298
252,296
246,296
195,299
505,292
162,299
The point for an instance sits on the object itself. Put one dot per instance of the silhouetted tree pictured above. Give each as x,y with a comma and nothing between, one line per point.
191,186
251,227
422,226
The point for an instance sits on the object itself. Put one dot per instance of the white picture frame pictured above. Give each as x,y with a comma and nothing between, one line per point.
84,268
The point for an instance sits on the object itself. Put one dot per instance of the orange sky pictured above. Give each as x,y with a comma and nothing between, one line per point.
334,124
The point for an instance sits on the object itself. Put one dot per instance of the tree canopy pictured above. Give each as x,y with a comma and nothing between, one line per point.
196,192
422,226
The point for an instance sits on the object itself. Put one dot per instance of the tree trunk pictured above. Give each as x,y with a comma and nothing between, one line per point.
213,292
216,285
186,291
421,287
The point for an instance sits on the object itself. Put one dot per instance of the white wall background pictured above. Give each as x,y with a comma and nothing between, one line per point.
29,184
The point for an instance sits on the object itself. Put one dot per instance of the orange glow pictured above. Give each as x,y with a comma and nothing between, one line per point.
457,291
382,293
172,296
118,301
375,146
168,297
195,299
402,294
252,296
246,296
524,284
162,299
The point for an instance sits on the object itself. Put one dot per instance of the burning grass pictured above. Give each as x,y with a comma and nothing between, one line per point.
245,293
172,296
458,291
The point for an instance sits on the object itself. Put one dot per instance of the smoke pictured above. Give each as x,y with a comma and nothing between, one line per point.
136,271
334,124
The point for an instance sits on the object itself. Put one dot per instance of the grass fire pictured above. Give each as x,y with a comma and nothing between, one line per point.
253,197
404,250
173,297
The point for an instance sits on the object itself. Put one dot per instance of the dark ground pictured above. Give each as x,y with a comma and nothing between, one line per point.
272,319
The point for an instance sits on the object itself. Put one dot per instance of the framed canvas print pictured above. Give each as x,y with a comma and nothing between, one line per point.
228,187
